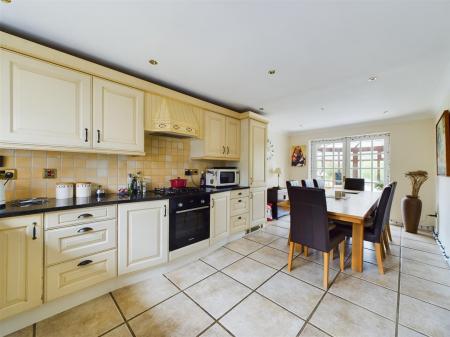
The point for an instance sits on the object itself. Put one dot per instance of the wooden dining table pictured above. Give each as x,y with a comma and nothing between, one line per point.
354,208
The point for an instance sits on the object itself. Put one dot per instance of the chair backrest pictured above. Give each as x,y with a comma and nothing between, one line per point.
309,218
290,183
356,184
307,183
387,214
380,213
319,183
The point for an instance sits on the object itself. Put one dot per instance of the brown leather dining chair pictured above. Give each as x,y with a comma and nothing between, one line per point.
310,226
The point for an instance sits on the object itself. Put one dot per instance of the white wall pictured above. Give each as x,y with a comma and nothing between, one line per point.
412,147
280,140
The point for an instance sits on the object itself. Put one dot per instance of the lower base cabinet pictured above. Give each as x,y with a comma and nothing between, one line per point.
21,267
258,202
219,217
143,235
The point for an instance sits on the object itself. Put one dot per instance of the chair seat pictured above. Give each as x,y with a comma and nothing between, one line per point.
369,229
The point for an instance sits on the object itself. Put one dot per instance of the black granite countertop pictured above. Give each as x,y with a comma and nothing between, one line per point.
63,204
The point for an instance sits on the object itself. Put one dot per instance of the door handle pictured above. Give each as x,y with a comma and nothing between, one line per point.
228,150
84,216
34,231
98,136
212,205
84,263
223,149
86,132
165,210
85,229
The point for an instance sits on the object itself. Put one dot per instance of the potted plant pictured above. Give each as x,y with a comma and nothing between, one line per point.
411,204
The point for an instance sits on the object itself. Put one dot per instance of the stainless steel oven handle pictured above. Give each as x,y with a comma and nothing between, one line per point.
191,209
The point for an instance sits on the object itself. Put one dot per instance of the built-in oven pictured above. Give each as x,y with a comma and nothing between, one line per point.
189,220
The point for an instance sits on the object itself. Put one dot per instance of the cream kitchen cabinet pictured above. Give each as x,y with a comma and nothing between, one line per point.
221,138
118,116
143,235
219,217
169,116
44,104
21,268
258,201
239,210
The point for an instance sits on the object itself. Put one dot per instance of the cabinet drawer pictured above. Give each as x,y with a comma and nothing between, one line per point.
239,193
238,206
67,243
68,277
239,222
79,216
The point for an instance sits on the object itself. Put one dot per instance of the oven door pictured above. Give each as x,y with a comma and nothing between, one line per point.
188,226
228,177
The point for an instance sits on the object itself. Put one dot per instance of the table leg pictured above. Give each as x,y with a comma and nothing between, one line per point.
357,247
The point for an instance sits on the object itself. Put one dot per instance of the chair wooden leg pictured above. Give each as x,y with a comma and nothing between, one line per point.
383,254
291,255
388,230
386,242
342,255
305,250
379,259
298,248
326,263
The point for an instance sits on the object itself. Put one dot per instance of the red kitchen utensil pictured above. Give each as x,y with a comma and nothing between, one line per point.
178,183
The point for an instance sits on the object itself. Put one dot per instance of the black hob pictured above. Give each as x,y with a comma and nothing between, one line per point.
177,191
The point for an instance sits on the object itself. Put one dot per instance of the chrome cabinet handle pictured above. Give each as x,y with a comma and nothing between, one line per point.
86,132
85,229
84,216
84,263
240,200
34,231
223,149
165,210
98,136
228,150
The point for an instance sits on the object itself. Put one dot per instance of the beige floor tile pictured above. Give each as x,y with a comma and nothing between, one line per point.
121,331
192,273
257,316
390,261
312,331
221,258
309,272
317,257
271,257
370,273
423,317
368,295
249,272
426,291
297,296
136,298
275,230
25,332
215,331
281,244
419,245
425,271
88,319
217,294
176,317
261,237
283,223
244,246
406,332
420,236
424,257
340,318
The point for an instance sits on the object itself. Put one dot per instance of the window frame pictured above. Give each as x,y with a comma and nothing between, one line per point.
313,145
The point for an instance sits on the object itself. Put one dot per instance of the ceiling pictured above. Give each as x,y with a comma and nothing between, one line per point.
323,51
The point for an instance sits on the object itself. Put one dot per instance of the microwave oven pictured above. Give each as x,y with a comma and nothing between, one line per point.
222,176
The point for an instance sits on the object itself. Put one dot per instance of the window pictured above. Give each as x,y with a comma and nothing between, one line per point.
355,157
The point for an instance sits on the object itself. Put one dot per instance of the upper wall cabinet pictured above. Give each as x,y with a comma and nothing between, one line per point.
221,138
44,104
169,116
118,116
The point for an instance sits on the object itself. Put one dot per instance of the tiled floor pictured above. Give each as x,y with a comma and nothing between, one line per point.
244,289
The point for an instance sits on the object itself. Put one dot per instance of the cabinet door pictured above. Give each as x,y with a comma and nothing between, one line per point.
21,264
258,201
118,115
44,104
215,125
220,216
257,149
233,137
143,235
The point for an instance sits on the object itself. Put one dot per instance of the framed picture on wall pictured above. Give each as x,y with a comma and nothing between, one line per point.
298,155
443,144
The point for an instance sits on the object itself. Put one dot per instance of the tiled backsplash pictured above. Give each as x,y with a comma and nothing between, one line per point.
165,158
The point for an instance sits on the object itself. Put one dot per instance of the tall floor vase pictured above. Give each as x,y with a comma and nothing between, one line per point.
411,211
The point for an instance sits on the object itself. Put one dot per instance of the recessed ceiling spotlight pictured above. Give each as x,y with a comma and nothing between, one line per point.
271,72
153,62
385,112
262,109
372,78
322,108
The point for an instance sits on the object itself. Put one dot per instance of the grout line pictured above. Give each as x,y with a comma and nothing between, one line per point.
123,316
